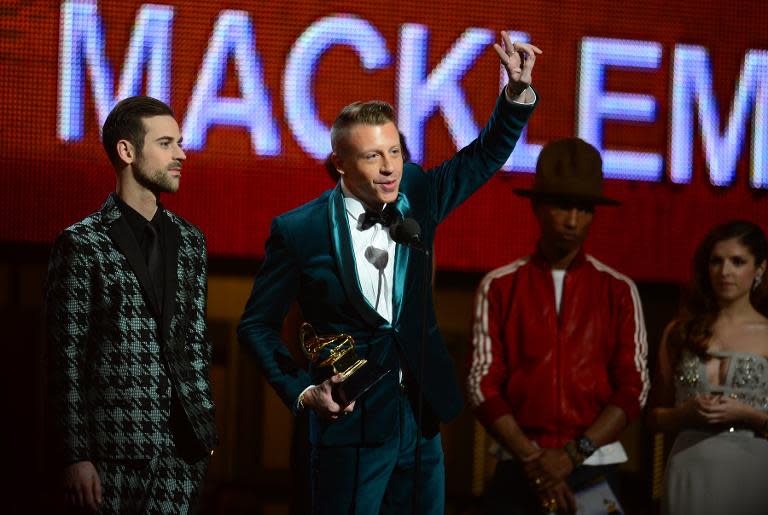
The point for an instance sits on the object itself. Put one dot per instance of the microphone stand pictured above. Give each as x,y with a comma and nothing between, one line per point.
420,377
408,232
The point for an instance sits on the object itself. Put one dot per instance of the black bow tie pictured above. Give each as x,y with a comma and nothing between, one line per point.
385,217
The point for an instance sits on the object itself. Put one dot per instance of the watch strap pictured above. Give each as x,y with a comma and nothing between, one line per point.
573,453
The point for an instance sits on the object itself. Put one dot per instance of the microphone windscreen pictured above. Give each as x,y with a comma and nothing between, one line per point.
406,231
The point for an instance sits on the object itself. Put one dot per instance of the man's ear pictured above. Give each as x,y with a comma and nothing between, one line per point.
337,162
126,151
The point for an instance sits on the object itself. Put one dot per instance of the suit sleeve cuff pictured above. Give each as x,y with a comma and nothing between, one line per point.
514,101
75,455
299,406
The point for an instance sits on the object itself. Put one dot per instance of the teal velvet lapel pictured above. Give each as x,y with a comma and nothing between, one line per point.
342,248
402,253
345,261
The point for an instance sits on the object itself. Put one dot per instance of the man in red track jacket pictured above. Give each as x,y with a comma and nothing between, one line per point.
558,366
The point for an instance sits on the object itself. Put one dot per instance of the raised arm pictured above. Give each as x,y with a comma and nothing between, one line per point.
456,179
518,60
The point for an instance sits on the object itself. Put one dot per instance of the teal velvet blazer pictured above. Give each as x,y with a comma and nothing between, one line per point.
308,258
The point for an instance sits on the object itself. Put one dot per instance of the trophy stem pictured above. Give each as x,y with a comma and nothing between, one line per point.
351,370
337,351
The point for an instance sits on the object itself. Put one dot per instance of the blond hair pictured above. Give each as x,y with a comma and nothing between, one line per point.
372,112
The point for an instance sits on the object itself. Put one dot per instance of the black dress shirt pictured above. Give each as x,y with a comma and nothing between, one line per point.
138,225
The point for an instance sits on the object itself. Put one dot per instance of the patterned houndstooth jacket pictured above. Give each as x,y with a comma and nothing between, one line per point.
113,366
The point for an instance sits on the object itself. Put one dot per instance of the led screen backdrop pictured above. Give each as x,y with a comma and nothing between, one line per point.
674,93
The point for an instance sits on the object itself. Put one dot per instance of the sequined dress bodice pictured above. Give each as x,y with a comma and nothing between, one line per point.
746,378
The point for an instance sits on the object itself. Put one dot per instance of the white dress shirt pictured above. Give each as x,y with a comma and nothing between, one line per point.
376,286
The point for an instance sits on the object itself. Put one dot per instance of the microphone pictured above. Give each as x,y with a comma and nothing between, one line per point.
407,232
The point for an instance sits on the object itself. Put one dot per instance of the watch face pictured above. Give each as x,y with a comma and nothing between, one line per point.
585,446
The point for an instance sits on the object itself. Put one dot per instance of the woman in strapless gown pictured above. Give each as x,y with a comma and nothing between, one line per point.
712,381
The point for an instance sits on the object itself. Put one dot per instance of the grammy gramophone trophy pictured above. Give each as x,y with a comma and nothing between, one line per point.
337,353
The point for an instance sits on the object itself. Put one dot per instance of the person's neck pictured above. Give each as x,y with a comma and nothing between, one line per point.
558,258
347,193
139,198
736,310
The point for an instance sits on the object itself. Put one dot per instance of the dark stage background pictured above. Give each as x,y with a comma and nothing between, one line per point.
675,93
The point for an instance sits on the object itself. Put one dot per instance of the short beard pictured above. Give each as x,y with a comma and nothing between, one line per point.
158,181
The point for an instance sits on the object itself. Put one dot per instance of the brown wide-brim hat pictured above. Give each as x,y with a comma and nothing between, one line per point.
569,169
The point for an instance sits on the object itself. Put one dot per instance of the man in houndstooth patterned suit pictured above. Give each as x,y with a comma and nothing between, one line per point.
128,348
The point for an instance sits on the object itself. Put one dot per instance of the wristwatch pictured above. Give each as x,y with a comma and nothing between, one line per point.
585,446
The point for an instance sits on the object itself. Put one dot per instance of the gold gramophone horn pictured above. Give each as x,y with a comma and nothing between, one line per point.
341,349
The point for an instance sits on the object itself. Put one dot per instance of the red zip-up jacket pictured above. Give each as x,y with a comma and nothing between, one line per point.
555,374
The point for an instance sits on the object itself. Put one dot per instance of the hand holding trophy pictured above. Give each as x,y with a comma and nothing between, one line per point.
337,352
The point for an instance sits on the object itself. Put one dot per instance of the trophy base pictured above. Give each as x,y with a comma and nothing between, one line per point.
358,383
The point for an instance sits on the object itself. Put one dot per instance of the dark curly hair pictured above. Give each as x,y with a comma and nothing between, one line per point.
700,308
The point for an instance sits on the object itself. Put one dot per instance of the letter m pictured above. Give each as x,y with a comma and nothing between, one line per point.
692,87
82,52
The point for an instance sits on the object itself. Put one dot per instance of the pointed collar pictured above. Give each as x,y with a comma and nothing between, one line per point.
355,207
115,207
136,219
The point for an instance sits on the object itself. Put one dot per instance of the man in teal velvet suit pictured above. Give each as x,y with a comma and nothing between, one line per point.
335,257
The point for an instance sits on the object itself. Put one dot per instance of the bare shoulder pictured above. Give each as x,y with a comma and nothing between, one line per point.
756,335
758,323
761,325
